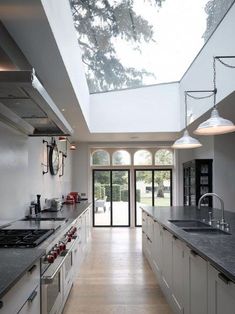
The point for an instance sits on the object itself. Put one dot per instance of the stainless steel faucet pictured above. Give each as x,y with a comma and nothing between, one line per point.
222,221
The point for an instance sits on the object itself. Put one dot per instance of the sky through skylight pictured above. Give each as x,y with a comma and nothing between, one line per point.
133,43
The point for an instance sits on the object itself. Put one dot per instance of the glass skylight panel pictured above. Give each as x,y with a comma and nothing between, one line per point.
134,43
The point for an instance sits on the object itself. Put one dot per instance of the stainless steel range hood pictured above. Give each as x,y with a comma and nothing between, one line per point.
26,105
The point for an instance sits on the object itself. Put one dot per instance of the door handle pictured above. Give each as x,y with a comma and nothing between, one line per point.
193,253
224,278
32,296
31,270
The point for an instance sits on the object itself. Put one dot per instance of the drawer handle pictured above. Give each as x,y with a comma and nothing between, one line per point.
193,253
1,304
32,269
224,278
32,296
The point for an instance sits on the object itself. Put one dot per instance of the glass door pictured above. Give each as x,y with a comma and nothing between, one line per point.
120,198
143,192
111,198
152,187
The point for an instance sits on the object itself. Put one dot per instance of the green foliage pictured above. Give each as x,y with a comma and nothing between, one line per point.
116,192
98,25
164,157
124,195
138,196
97,191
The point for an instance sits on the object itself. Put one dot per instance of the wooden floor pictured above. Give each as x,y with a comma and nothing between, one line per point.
115,278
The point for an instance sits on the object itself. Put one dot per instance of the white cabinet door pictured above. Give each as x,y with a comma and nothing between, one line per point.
150,224
157,248
178,275
144,222
32,305
221,293
196,286
167,244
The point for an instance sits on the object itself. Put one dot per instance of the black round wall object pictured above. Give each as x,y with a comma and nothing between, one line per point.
54,159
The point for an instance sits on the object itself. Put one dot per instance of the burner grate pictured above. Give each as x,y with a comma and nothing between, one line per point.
17,238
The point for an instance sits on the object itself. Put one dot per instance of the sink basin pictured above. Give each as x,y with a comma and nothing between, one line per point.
207,231
189,223
44,218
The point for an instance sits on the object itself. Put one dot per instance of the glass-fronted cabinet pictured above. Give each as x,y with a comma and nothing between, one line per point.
197,181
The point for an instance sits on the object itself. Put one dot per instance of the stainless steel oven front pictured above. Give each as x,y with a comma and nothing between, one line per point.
52,288
57,272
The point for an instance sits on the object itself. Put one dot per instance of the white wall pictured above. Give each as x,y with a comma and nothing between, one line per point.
200,75
148,109
61,21
224,169
80,169
184,155
21,174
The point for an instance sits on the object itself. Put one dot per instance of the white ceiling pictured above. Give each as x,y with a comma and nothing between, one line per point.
28,25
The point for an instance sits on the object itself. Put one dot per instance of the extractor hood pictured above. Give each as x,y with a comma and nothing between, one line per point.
26,105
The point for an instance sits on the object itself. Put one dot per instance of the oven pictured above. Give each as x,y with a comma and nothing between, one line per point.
57,273
52,288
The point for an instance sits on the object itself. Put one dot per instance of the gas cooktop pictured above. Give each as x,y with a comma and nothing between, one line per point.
18,238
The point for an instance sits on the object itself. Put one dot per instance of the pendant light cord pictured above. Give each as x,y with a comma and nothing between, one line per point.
186,110
214,81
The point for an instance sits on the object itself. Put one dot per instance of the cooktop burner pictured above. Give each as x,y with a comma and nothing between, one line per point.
19,238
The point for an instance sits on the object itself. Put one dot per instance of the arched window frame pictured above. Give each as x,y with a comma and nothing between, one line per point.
100,150
121,165
143,149
164,165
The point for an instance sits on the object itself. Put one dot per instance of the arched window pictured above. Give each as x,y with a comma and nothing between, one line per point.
142,157
121,157
164,157
100,158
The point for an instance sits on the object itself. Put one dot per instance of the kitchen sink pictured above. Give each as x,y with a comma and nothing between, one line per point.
189,223
44,218
206,231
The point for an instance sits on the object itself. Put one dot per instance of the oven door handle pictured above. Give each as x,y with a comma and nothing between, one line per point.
48,277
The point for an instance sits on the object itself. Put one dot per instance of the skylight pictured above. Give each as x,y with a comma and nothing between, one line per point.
134,43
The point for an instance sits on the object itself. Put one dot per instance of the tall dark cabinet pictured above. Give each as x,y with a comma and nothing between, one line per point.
197,181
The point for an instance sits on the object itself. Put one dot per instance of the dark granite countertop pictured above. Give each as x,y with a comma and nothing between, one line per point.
15,262
219,250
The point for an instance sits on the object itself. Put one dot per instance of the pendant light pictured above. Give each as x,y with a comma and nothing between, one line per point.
186,141
215,124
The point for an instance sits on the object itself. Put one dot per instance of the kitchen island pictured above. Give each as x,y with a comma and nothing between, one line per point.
16,263
196,270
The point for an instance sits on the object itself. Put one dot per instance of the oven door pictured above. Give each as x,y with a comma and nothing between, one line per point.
68,273
52,288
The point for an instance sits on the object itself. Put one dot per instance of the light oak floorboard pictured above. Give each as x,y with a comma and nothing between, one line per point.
115,277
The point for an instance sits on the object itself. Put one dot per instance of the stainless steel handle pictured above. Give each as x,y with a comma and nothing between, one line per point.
32,296
224,278
31,270
49,279
193,253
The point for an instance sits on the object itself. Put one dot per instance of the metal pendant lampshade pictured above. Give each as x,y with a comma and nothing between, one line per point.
215,125
186,141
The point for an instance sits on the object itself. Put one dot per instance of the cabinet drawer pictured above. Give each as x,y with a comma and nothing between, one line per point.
32,305
21,291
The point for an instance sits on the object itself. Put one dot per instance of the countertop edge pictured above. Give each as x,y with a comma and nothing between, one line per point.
192,246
